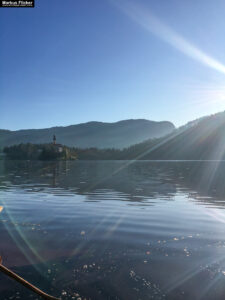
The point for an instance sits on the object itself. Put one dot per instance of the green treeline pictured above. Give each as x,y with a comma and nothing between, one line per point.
138,151
39,152
50,152
202,140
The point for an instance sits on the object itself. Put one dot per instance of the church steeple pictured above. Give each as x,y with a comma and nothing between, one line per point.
54,139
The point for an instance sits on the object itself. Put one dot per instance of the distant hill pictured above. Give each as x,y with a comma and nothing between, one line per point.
92,134
200,139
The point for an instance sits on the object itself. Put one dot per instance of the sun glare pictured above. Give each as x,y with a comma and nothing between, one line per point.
155,26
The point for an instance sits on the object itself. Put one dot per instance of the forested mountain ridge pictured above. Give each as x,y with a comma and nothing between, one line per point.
201,139
92,134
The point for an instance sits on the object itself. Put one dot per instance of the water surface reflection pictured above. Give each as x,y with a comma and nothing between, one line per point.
114,229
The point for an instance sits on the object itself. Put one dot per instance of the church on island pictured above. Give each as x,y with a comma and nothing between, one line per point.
58,147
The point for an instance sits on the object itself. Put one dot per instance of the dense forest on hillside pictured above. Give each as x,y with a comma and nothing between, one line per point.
203,139
47,152
92,134
39,152
200,140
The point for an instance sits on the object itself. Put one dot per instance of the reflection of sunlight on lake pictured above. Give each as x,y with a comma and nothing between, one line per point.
112,229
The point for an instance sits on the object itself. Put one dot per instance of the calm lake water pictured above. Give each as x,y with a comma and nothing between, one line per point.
114,229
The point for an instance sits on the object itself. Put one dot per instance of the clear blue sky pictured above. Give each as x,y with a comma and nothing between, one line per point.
72,61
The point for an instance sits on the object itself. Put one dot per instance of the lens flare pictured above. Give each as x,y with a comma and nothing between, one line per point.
152,24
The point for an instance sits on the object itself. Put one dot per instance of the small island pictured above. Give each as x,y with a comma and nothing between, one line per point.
51,151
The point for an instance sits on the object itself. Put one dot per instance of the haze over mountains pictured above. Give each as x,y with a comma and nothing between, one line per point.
202,139
92,134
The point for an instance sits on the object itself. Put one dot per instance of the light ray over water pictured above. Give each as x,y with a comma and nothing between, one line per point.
151,229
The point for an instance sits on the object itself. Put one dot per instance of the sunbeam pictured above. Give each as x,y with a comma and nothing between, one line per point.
154,25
